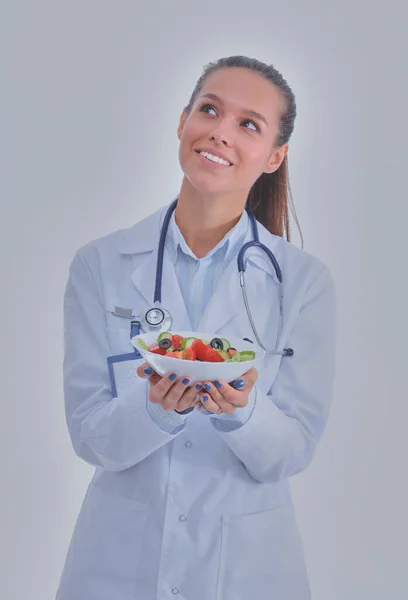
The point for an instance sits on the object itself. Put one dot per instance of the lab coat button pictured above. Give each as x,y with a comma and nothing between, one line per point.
182,518
175,591
188,444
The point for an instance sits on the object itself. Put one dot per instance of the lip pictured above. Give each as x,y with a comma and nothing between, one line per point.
215,153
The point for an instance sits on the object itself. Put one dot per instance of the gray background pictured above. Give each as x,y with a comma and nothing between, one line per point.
91,93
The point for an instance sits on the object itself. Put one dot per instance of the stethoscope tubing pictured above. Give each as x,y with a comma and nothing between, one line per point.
241,268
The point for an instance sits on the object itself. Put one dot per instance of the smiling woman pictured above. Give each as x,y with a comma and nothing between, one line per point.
198,502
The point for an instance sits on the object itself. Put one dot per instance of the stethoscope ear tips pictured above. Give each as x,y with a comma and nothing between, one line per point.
288,352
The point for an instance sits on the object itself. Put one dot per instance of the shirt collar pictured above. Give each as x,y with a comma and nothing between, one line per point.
225,248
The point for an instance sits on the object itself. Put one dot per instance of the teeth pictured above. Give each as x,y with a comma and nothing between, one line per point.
215,158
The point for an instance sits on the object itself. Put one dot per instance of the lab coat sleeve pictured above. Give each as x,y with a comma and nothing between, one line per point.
281,435
167,420
112,433
241,414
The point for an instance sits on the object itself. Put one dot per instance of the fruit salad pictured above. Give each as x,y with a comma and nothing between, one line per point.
192,348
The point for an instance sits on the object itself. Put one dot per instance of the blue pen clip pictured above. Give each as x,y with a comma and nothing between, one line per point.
134,328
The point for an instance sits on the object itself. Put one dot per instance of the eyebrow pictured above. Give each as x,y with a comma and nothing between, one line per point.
248,111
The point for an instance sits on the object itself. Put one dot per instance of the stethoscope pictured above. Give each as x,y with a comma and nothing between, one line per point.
158,318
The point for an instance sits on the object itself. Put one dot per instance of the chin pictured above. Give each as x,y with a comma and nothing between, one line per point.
205,181
204,184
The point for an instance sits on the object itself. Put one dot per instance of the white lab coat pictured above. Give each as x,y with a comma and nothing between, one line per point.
203,514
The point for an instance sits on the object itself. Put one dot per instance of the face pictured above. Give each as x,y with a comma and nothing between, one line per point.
235,115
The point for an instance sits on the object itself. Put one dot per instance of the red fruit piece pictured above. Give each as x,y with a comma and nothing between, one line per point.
177,341
155,348
177,354
206,353
190,353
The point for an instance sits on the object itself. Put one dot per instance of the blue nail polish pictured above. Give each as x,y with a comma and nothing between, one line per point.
147,371
185,381
172,377
239,383
198,386
207,386
218,384
204,398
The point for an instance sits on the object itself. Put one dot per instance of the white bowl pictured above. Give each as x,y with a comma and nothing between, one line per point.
195,369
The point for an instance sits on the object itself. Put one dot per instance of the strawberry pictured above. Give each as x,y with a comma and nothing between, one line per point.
206,353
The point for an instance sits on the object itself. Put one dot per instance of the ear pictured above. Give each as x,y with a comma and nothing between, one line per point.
183,119
276,158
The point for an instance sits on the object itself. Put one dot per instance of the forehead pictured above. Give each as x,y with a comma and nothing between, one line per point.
242,89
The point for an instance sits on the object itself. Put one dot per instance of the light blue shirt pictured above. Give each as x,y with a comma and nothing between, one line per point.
198,279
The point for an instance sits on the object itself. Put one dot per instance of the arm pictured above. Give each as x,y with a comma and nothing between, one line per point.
280,437
107,432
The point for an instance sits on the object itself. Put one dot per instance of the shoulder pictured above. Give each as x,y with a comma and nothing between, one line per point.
138,238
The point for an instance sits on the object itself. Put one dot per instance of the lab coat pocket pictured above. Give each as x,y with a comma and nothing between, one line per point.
123,362
262,557
103,557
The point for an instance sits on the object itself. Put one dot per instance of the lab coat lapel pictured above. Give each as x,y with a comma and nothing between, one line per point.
225,303
227,306
144,277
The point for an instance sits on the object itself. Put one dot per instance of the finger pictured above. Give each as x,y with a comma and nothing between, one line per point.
162,387
230,395
189,397
208,401
141,370
217,396
146,371
246,381
252,375
201,408
182,391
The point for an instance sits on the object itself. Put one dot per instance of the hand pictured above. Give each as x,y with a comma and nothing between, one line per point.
227,398
171,395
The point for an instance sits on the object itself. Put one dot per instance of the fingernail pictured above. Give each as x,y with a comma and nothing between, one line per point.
185,381
147,371
207,386
198,386
218,384
204,398
172,377
239,383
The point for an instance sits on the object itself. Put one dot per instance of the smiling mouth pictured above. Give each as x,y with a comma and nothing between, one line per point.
207,155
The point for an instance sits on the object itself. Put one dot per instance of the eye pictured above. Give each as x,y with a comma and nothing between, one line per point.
252,123
204,108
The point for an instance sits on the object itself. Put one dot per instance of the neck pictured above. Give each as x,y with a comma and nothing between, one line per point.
205,218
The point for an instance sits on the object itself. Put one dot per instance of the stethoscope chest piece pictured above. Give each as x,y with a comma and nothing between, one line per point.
156,319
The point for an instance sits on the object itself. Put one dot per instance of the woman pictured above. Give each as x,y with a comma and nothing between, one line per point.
190,495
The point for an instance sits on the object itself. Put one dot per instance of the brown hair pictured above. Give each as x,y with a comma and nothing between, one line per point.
270,196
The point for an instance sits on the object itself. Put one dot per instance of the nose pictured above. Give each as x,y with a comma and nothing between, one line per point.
221,137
